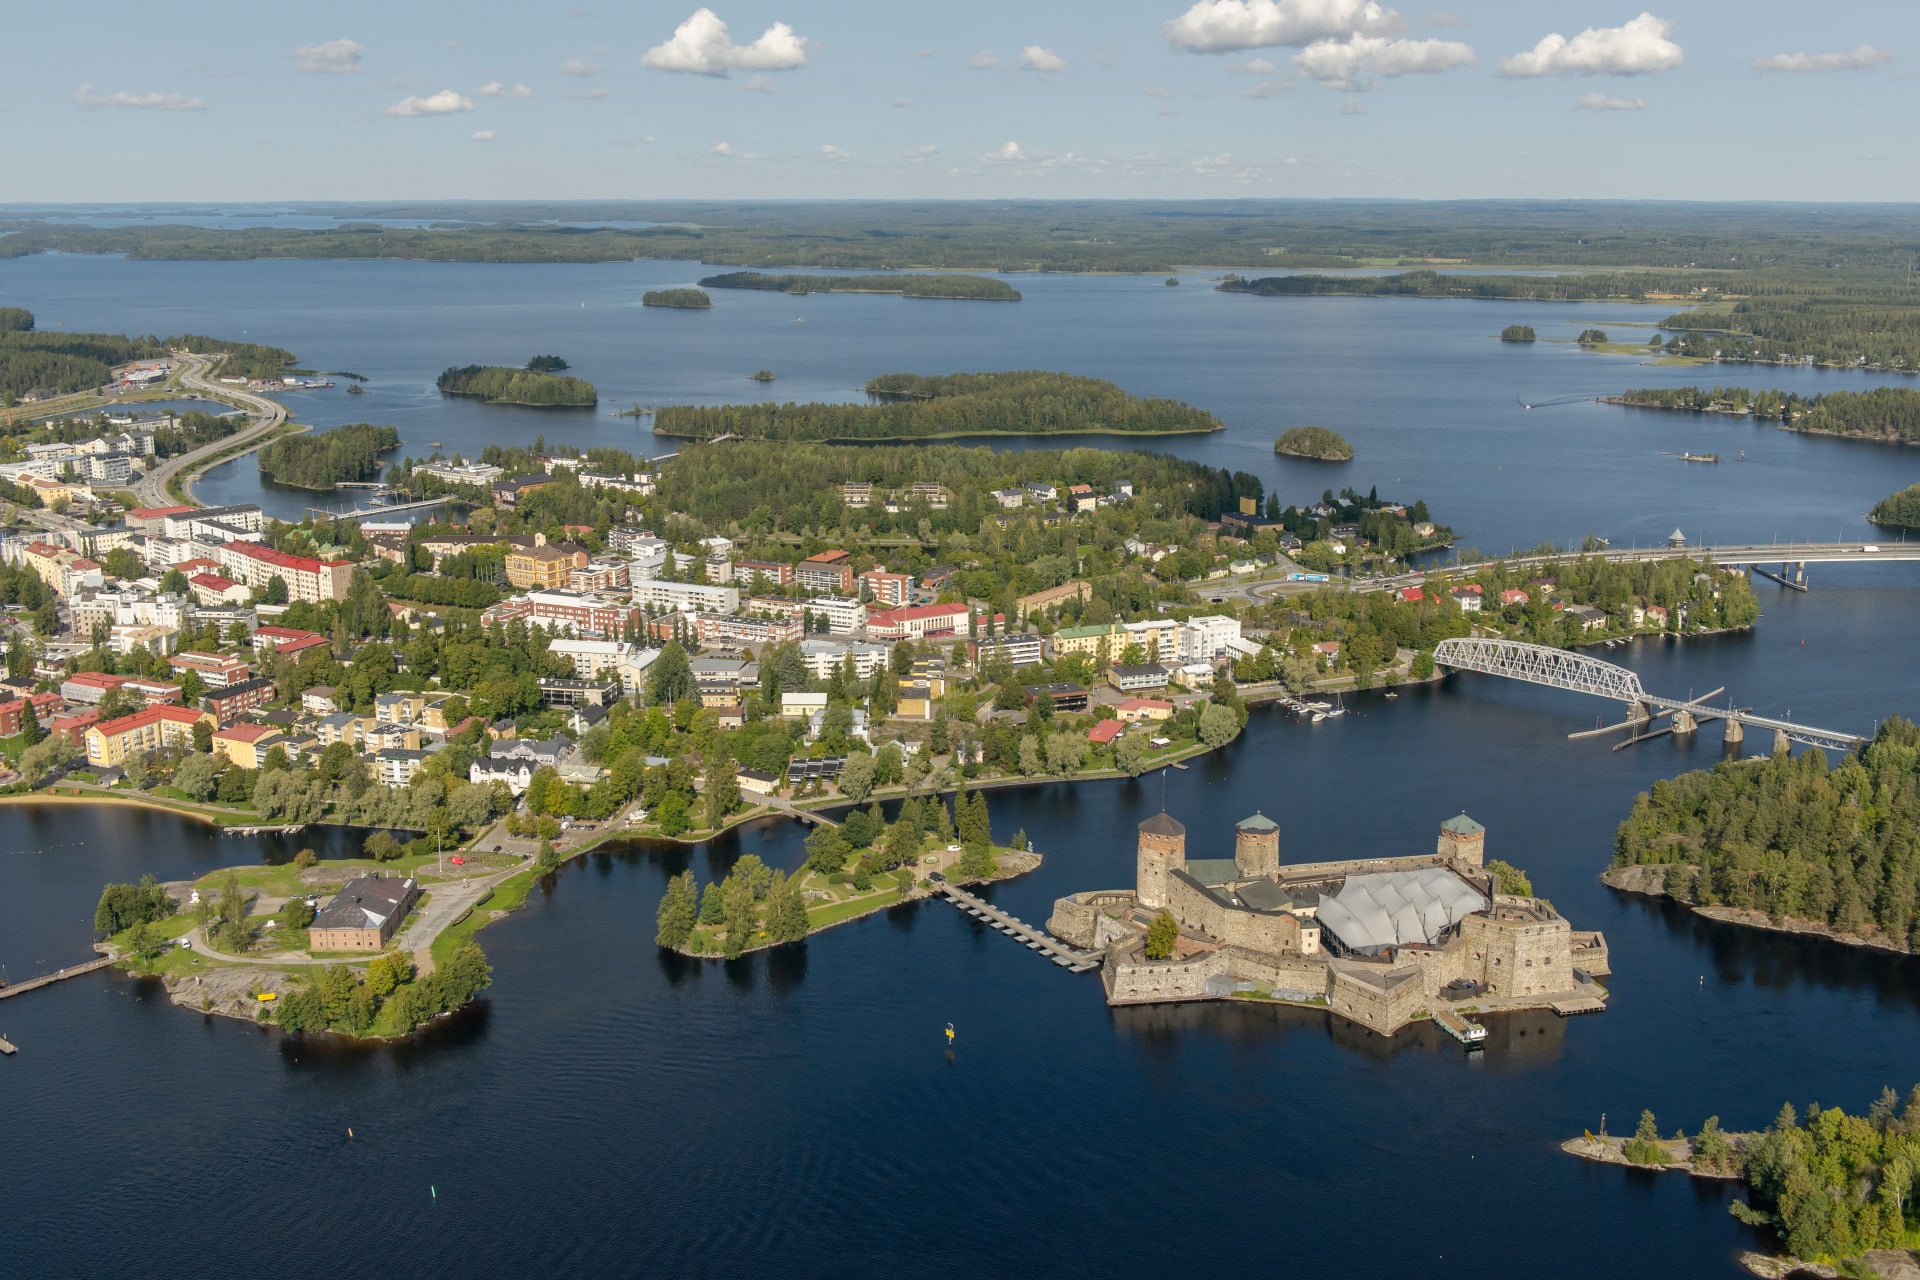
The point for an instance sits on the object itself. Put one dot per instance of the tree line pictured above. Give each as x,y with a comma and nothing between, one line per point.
1879,413
497,384
979,288
319,461
684,299
1792,837
1900,510
915,407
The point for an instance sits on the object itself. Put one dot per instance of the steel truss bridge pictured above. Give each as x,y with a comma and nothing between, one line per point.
1578,673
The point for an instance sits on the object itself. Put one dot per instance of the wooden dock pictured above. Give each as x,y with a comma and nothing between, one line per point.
1465,1030
1578,1005
58,975
7,1047
1070,958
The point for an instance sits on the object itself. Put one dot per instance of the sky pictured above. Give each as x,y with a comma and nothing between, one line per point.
1167,99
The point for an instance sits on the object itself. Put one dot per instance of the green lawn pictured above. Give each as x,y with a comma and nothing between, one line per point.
509,895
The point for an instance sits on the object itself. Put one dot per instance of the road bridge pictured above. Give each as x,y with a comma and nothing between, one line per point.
1581,673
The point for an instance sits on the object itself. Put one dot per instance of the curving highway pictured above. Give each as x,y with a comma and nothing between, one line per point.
151,490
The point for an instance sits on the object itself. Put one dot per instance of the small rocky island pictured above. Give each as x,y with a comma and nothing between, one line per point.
679,299
1317,443
1382,942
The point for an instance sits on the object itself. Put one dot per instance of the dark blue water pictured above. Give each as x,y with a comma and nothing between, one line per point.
610,1111
1431,401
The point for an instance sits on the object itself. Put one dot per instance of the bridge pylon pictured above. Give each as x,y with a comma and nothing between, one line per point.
1781,744
1736,732
1638,713
1683,722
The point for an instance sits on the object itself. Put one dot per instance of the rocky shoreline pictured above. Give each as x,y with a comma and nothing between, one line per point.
1649,880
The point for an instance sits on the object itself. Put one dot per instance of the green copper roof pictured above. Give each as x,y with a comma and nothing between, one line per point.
1258,822
1463,826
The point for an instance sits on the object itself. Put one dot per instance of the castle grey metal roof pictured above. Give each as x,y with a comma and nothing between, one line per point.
1463,826
1258,822
1213,871
1162,824
1398,908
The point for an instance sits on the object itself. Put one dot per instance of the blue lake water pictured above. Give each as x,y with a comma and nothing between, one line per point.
609,1111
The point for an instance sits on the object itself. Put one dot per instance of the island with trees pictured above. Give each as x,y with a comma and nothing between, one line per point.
548,364
496,384
1592,338
1788,842
1517,333
1887,414
677,299
1836,1190
1898,511
917,407
320,461
1318,443
916,285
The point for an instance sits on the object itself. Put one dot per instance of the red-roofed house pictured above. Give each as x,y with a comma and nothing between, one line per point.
1413,595
1135,710
245,745
74,723
285,639
830,571
13,711
212,589
917,621
307,579
89,686
152,521
1513,595
1105,731
62,568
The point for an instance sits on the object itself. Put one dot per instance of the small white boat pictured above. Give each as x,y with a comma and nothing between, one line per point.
1318,716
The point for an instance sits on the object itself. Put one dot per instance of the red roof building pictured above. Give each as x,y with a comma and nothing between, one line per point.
1105,731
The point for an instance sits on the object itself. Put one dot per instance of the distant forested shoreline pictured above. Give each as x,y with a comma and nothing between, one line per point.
972,288
920,407
1879,413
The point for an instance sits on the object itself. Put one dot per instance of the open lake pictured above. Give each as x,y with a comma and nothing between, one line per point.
610,1111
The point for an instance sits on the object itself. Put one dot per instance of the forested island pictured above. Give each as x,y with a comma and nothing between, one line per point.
1898,511
1517,333
1318,443
678,299
320,461
1836,1189
56,361
973,288
1788,842
1572,287
497,384
918,407
1882,413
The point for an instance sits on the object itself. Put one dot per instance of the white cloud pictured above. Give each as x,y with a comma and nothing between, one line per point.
648,139
701,46
444,103
1342,62
761,84
1155,91
901,102
1210,165
483,135
138,101
1009,153
1039,58
1602,102
1225,26
925,151
830,152
1272,89
1638,48
1864,58
720,149
494,89
1253,67
985,60
335,57
580,67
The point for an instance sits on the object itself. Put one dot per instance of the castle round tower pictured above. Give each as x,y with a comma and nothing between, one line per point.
1256,847
1163,849
1463,841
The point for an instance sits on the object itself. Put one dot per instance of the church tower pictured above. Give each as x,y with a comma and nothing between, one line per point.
1256,847
1463,841
1163,849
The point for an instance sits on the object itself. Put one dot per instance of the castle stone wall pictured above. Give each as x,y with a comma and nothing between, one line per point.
1201,912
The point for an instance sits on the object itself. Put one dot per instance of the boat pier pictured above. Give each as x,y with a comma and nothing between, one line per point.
1465,1030
48,979
7,1047
1070,958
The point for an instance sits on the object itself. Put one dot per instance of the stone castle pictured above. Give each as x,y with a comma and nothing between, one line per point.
1380,941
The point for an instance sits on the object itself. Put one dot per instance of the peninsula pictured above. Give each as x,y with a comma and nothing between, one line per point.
1781,843
1898,511
1886,414
1835,1189
968,287
1380,941
677,299
918,407
1317,443
320,461
497,384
